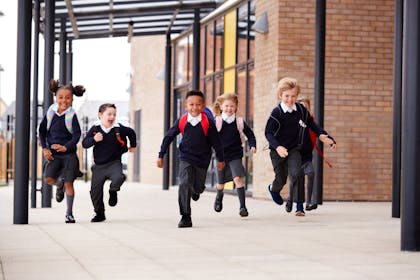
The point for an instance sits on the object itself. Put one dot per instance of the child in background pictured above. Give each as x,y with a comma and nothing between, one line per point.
59,132
309,143
232,130
199,136
284,131
110,142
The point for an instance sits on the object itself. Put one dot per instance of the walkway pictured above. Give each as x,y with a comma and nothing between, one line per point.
140,240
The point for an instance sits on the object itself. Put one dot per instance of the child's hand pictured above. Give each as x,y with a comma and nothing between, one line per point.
282,151
47,154
220,165
159,162
132,150
253,150
59,148
327,140
98,137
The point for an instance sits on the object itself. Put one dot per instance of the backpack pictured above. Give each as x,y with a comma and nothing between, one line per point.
204,123
239,125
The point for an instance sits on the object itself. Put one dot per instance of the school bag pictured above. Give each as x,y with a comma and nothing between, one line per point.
204,123
123,143
239,125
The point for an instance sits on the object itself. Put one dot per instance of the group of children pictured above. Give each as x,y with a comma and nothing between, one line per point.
288,130
59,133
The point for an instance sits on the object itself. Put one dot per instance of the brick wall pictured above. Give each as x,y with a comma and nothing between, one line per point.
358,89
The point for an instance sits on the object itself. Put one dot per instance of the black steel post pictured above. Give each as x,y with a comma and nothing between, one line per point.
396,135
319,91
34,150
63,57
48,75
85,160
8,139
167,106
69,61
410,194
196,51
22,128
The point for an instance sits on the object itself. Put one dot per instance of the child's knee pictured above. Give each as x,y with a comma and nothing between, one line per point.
118,180
50,181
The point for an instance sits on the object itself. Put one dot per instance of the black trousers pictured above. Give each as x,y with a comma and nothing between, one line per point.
288,167
101,173
192,180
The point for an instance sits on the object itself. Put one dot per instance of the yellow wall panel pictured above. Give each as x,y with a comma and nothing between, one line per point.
230,51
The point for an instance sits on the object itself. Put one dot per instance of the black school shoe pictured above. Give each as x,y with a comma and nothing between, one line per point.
310,207
195,196
185,221
113,198
70,219
218,203
59,193
243,212
99,217
289,206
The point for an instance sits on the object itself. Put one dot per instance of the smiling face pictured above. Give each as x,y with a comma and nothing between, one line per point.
289,97
194,105
229,107
108,117
64,99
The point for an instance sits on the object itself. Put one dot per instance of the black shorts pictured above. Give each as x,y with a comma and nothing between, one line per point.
65,165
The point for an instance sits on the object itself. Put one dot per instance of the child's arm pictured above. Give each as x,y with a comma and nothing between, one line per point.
321,133
252,142
42,131
89,139
271,129
167,140
131,134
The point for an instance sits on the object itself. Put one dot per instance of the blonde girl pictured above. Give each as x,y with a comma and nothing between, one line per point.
232,130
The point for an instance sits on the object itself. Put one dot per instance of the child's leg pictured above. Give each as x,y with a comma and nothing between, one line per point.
185,185
97,189
240,189
69,197
221,179
116,176
310,174
280,169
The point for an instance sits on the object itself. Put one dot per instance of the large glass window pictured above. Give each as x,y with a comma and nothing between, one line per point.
181,61
210,38
242,34
220,31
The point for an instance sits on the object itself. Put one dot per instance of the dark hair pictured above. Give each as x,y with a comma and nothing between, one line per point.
195,93
105,106
54,86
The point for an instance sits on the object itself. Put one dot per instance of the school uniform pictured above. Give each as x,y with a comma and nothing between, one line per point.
194,155
285,127
63,129
107,159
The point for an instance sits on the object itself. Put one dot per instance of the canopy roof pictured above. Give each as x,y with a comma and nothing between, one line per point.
115,18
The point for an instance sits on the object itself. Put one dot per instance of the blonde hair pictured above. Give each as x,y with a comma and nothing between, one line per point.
305,100
287,83
217,106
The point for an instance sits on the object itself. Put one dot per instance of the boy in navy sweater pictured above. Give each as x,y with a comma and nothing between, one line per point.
59,132
109,141
199,136
285,131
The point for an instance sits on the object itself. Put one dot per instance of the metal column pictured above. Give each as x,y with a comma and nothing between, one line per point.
167,106
396,135
319,91
34,146
63,57
196,51
48,75
69,62
410,195
23,97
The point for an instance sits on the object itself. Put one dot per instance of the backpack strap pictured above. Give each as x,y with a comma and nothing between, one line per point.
68,118
118,135
204,123
219,122
183,122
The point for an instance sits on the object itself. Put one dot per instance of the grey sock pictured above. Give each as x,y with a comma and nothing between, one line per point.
69,199
241,196
220,193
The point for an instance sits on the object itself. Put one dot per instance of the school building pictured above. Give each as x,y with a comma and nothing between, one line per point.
236,56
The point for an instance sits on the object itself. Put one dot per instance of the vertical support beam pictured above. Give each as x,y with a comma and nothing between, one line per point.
63,46
196,51
85,158
167,106
396,135
48,75
410,195
34,148
319,90
23,97
69,61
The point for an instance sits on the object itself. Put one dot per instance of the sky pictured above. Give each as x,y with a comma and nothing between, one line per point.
101,65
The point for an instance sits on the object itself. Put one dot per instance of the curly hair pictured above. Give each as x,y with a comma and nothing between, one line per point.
54,86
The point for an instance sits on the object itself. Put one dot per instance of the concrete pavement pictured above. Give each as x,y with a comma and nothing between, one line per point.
140,240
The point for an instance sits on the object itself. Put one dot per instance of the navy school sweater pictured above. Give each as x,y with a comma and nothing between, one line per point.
195,147
231,140
282,129
58,134
109,149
